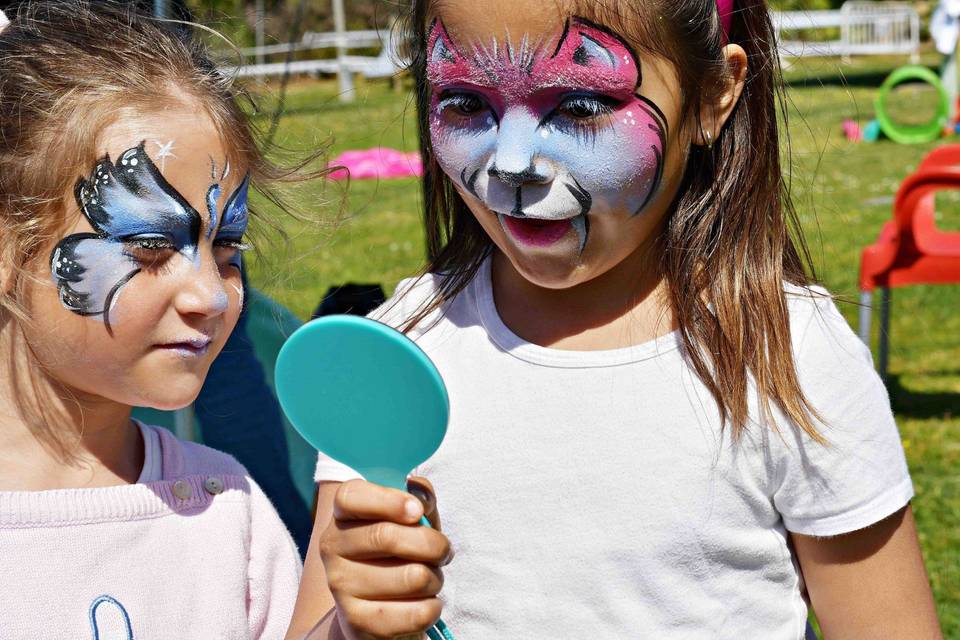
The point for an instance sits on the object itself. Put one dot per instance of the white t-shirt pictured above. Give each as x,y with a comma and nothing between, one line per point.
594,495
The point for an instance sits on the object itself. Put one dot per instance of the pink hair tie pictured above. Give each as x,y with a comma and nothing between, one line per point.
725,9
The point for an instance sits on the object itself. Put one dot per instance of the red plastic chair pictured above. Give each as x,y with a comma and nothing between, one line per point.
910,249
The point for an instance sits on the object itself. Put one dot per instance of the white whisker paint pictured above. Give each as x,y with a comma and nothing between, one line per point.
239,291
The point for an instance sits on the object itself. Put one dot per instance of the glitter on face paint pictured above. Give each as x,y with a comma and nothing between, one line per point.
131,208
553,131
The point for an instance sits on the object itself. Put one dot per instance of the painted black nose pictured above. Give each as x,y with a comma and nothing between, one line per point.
518,178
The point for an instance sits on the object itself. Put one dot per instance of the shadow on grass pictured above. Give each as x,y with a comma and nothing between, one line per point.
922,404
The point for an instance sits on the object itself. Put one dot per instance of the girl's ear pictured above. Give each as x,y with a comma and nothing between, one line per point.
714,114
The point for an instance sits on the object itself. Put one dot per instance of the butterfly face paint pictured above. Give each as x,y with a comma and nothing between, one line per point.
132,208
234,222
546,135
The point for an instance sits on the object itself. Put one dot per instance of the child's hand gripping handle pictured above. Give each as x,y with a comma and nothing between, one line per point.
383,570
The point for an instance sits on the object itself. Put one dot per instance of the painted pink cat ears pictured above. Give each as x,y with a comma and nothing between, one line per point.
725,10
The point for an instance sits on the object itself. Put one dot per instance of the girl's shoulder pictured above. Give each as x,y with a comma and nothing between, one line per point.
820,334
860,475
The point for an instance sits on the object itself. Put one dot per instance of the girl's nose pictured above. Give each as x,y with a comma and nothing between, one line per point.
517,160
527,175
202,291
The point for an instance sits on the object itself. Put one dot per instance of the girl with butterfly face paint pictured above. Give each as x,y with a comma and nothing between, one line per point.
120,272
147,280
656,420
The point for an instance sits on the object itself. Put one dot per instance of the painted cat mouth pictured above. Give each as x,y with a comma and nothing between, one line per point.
536,232
542,232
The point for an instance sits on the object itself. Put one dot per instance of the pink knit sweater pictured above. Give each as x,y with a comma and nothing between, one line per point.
199,555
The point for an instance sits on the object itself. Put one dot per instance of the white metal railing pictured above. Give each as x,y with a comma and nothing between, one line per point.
866,28
320,40
345,66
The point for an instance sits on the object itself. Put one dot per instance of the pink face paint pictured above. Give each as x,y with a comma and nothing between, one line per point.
553,131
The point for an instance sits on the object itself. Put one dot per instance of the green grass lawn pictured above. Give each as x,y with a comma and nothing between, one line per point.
843,191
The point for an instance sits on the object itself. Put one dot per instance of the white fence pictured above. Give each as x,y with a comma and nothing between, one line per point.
865,28
345,66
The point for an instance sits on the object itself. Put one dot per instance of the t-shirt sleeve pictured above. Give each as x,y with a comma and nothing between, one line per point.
274,570
329,470
860,476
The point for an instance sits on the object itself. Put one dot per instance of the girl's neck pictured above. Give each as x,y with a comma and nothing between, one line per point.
86,442
623,307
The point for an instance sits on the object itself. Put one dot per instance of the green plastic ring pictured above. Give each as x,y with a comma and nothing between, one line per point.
916,133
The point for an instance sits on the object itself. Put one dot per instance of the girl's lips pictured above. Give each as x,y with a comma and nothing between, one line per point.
535,232
189,348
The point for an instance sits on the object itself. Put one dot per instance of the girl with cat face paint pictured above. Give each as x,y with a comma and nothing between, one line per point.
658,424
124,175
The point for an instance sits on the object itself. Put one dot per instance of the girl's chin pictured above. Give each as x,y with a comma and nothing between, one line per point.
179,391
546,269
169,402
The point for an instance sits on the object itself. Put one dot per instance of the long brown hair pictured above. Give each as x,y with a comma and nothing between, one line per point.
731,238
69,69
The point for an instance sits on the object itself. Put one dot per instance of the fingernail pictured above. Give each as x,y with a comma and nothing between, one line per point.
449,558
412,509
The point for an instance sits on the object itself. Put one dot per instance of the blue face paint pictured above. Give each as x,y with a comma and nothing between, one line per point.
213,194
131,208
234,222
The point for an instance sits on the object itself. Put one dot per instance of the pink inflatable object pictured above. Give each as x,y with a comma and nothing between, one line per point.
852,131
376,163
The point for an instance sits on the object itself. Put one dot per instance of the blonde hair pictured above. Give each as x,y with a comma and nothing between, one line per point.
68,69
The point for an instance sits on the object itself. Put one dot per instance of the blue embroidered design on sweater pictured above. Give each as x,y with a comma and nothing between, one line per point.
109,620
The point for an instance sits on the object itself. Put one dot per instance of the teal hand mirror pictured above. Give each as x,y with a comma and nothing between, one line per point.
367,396
363,394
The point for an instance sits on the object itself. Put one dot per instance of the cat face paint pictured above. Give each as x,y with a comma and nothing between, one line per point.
132,209
546,135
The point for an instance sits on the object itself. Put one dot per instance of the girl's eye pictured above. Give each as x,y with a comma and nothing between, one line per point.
462,104
149,251
226,249
586,107
150,243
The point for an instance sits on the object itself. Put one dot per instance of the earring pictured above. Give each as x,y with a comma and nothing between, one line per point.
709,136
